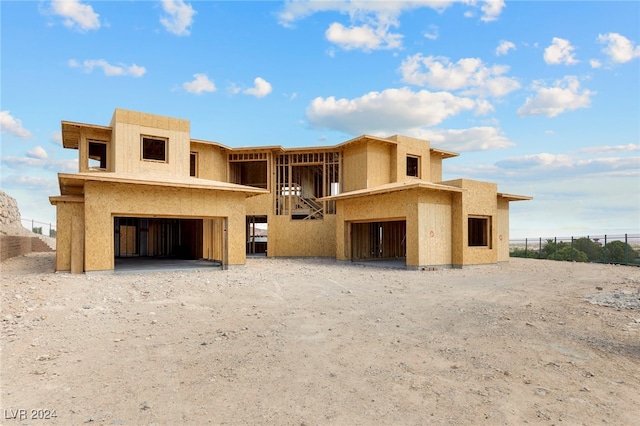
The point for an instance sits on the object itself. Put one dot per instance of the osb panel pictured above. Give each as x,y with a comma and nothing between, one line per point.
378,164
212,161
150,120
478,199
288,237
64,213
434,229
260,205
436,168
502,228
105,200
412,146
127,141
354,167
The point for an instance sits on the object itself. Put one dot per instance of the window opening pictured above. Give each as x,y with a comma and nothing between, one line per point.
154,149
193,164
413,166
97,155
479,229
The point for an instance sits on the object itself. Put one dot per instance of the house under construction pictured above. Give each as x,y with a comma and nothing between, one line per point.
146,189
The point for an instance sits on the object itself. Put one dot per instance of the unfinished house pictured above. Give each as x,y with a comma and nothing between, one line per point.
145,189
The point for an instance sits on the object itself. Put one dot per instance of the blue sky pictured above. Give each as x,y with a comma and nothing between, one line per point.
542,98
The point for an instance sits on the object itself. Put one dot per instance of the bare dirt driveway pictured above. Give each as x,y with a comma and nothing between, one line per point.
312,341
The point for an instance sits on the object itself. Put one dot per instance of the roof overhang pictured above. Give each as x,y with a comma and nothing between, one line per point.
393,187
73,183
513,197
444,154
71,133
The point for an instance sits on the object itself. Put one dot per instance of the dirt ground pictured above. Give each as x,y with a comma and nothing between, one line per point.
312,341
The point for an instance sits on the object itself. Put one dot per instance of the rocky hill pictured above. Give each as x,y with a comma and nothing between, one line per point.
11,223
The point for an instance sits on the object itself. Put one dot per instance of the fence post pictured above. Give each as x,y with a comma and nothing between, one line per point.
588,249
555,248
572,248
605,249
525,247
540,249
626,250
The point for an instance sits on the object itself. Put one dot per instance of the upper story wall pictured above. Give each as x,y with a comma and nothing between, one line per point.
416,149
150,144
211,160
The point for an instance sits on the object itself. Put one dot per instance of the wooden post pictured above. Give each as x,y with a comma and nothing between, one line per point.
77,245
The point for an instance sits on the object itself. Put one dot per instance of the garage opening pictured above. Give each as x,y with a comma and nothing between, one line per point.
169,239
178,238
257,230
379,240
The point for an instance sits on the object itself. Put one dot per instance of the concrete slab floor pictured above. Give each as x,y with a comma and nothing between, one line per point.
127,265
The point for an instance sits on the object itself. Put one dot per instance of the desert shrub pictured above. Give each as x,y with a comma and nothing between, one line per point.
619,252
592,249
567,253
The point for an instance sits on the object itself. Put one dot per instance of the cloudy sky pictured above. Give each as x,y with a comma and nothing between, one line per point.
542,98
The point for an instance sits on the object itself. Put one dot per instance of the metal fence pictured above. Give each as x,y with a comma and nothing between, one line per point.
616,249
42,228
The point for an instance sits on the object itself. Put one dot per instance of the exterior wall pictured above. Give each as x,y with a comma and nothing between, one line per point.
434,229
503,230
65,212
212,161
354,167
436,168
478,199
378,164
410,146
103,201
15,245
393,206
288,237
128,128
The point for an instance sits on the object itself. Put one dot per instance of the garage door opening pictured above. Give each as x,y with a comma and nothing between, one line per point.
172,241
379,240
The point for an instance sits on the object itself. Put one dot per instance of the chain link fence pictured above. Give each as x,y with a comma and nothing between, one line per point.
616,249
41,228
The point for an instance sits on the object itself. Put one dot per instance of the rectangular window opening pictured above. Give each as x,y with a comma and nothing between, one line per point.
97,155
154,149
479,232
413,166
193,164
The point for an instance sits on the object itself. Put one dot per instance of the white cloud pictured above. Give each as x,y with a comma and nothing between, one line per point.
390,111
464,140
41,163
199,85
432,34
595,63
30,182
260,89
179,16
619,48
108,69
564,96
491,10
76,14
560,52
504,47
13,126
470,74
612,148
38,152
56,137
363,37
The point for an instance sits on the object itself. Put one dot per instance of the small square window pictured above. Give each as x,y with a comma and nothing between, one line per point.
154,149
479,232
193,164
413,166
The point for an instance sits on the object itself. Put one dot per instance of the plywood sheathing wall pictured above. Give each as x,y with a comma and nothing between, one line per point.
212,161
502,229
65,211
287,237
103,201
478,199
